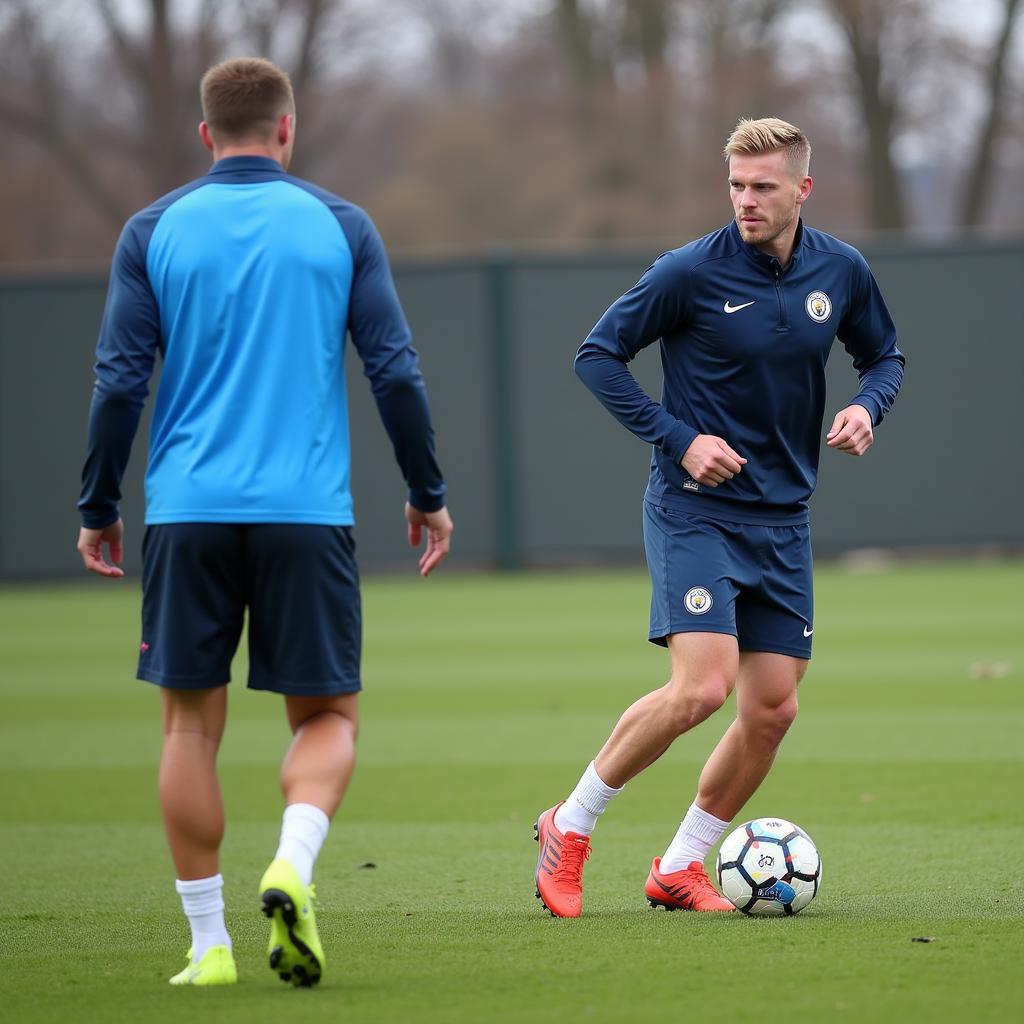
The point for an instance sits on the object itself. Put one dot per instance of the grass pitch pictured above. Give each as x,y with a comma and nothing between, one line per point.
485,698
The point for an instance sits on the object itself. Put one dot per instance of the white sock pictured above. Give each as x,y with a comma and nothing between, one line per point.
202,899
586,803
698,832
303,831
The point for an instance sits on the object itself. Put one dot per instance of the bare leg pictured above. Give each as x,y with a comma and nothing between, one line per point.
319,763
766,705
189,790
704,667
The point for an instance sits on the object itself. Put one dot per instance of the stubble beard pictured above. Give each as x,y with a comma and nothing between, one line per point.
764,233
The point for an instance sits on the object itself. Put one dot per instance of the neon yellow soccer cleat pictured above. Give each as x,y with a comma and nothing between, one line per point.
217,967
294,948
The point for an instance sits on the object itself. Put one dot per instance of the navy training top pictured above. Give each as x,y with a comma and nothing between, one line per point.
246,281
744,344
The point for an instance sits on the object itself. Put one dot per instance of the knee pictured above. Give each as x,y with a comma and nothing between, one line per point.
333,719
772,722
691,704
194,713
341,711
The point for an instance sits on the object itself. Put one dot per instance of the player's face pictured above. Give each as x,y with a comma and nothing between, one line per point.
766,196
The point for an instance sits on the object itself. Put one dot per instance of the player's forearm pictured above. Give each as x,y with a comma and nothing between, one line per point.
403,409
879,385
113,421
617,390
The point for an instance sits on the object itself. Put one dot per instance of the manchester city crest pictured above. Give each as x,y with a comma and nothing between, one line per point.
818,306
697,600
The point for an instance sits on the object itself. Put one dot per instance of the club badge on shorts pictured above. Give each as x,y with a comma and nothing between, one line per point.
698,600
818,306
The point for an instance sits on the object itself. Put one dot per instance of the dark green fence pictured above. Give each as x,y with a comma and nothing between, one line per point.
538,472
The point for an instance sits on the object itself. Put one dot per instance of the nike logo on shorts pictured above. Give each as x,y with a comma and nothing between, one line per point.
808,632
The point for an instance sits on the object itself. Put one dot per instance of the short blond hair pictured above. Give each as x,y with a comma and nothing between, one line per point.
244,98
751,137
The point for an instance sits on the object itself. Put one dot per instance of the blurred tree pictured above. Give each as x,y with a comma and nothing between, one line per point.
162,84
979,172
139,105
648,33
586,68
453,31
35,103
880,56
735,44
464,122
903,62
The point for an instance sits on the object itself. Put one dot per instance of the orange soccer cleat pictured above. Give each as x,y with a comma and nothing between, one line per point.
560,863
688,889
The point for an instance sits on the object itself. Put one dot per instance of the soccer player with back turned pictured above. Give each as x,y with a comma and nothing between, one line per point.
746,317
245,281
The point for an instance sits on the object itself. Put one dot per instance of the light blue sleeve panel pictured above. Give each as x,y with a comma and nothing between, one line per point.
252,281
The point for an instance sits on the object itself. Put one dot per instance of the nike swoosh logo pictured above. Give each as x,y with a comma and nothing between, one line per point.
807,632
735,309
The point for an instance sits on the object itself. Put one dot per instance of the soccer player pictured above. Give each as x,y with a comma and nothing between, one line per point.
245,281
746,317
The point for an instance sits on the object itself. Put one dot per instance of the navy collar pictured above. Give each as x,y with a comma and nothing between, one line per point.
234,164
763,259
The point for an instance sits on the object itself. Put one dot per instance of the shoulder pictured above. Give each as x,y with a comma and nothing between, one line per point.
825,246
354,220
716,245
675,265
140,225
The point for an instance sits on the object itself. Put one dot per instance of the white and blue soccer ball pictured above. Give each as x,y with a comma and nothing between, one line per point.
769,866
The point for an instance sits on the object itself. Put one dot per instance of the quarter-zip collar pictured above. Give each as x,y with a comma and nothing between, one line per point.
770,264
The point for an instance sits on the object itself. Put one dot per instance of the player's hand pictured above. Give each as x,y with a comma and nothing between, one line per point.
710,461
439,531
90,547
851,431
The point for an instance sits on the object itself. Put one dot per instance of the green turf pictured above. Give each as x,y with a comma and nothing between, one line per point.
485,697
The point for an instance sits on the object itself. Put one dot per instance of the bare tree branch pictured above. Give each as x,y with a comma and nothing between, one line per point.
864,24
72,157
127,52
305,65
45,125
980,171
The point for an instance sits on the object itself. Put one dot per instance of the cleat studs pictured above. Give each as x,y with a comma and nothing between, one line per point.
656,905
275,956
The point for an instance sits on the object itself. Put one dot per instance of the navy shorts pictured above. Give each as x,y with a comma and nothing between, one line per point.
708,576
301,588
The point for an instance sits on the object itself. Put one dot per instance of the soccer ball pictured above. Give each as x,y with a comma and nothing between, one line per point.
769,867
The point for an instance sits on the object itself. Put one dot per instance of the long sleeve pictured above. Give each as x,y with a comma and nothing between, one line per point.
653,306
383,340
125,354
869,335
